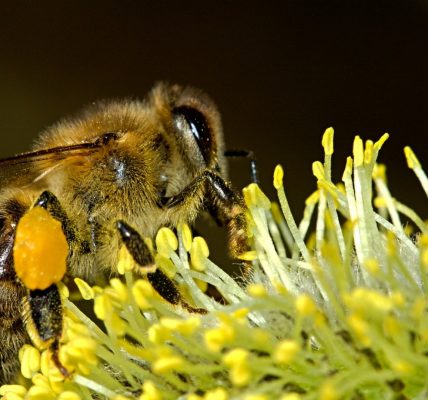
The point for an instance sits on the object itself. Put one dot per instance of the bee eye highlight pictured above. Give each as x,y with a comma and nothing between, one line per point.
198,126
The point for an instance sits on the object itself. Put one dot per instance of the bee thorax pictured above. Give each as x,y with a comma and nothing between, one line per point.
120,169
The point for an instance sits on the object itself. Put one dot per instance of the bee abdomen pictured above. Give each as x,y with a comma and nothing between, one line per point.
12,331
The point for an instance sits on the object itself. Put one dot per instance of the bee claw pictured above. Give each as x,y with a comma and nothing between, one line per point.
55,358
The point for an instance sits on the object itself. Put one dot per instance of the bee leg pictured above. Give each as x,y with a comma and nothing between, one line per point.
50,202
250,156
226,205
43,317
143,257
135,245
43,311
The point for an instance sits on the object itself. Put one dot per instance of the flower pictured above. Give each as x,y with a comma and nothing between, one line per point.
334,313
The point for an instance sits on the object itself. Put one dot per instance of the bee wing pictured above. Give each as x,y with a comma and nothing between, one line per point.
28,168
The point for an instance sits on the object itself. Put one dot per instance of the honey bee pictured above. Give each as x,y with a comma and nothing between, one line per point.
145,164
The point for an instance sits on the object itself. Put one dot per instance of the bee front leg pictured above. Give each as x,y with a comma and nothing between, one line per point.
43,313
143,257
226,205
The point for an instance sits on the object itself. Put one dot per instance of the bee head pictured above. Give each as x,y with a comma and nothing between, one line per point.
195,124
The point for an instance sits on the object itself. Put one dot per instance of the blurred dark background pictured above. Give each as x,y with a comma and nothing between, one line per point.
280,72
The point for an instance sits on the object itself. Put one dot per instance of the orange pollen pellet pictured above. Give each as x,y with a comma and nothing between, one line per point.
40,249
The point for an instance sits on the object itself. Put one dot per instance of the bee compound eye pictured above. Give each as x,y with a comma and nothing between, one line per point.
188,118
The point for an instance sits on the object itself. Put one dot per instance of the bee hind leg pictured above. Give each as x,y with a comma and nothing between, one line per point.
159,281
43,313
43,309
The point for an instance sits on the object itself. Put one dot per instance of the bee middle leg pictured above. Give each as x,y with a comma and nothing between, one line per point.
143,257
50,202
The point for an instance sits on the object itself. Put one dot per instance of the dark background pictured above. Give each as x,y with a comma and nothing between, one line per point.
280,73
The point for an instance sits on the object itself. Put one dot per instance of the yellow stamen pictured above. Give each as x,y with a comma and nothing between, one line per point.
328,391
11,390
378,145
30,361
150,392
216,394
126,261
327,141
278,177
412,160
167,364
318,170
256,290
166,242
286,351
313,198
348,169
305,306
358,151
142,292
368,152
254,196
379,172
199,253
186,235
69,395
85,290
